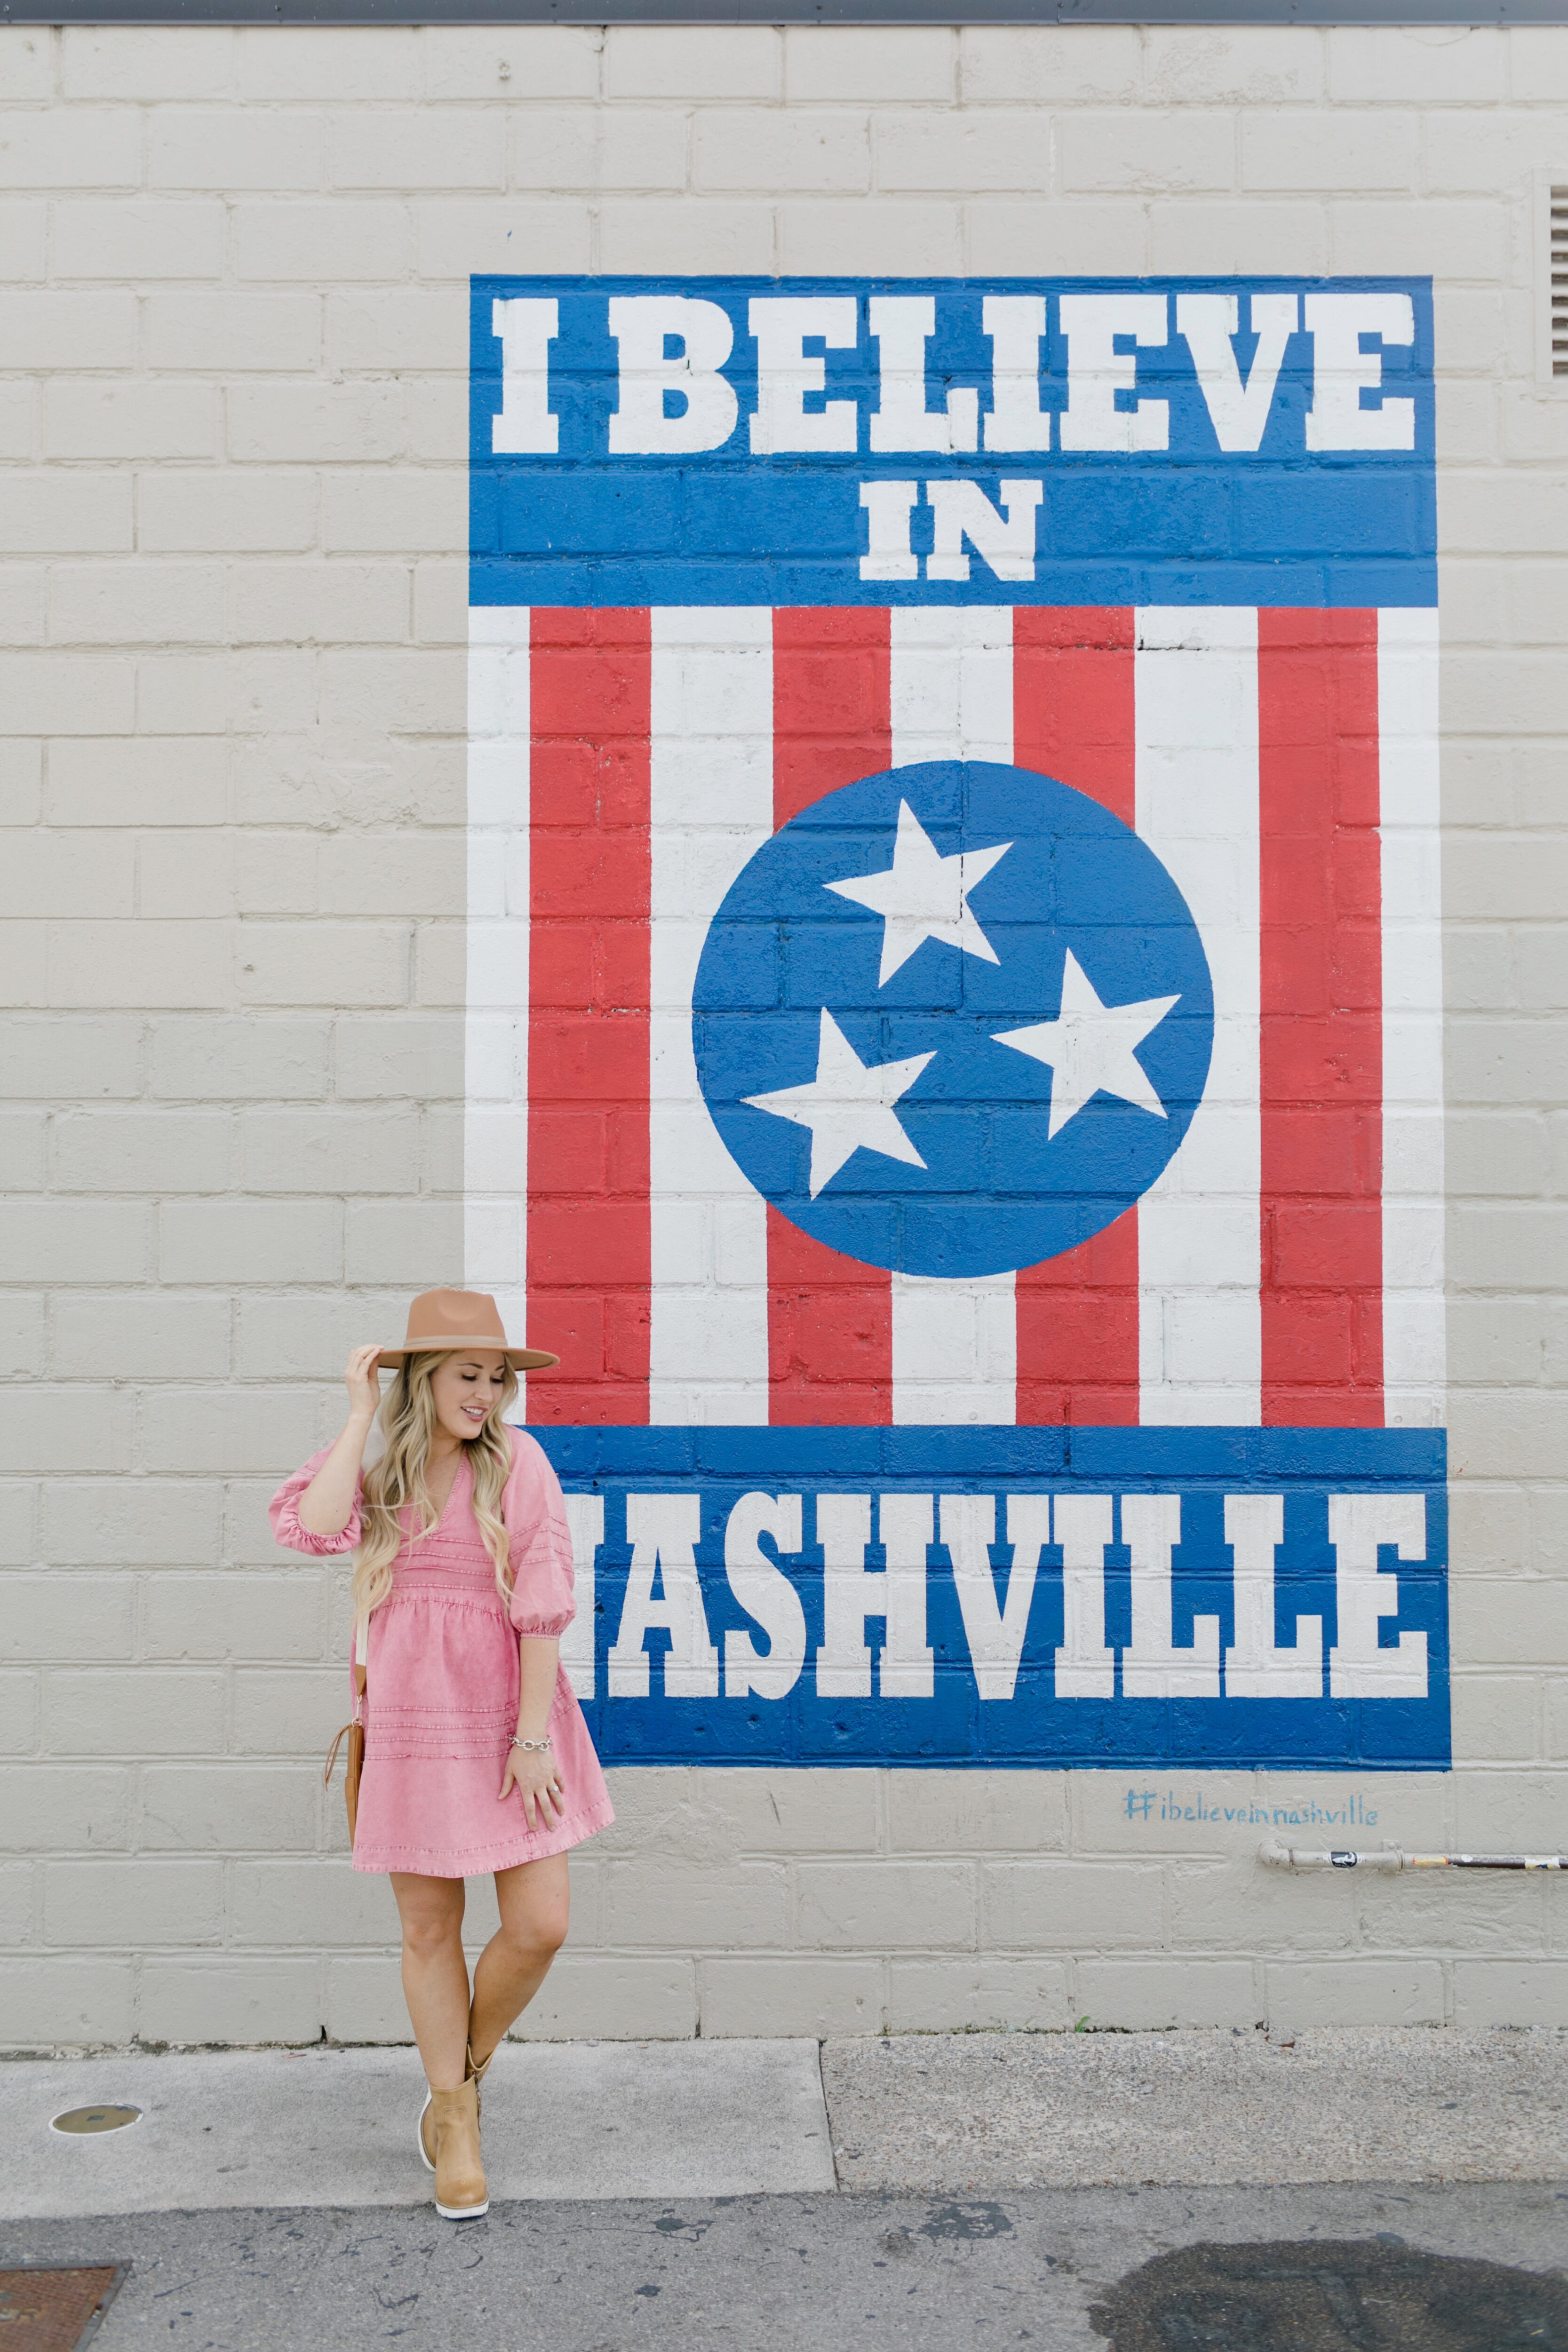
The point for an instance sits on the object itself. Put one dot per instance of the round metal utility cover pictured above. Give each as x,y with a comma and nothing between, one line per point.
96,2119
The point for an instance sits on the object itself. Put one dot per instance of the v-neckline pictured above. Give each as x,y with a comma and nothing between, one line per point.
451,1491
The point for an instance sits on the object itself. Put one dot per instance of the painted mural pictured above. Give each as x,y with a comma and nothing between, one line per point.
955,1032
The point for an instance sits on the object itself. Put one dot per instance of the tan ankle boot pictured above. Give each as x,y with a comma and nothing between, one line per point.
451,2129
475,2073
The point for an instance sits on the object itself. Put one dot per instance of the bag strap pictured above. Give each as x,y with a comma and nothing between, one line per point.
332,1753
361,1659
355,1721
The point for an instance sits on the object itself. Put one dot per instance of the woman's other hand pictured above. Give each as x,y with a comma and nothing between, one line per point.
537,1782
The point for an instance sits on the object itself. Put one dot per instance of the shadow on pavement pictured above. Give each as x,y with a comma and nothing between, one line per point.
1341,2295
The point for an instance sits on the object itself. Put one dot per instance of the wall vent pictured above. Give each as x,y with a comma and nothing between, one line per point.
1557,264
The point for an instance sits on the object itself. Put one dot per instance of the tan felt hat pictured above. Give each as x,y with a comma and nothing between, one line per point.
459,1319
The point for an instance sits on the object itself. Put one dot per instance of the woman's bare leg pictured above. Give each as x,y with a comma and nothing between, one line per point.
535,1904
435,1973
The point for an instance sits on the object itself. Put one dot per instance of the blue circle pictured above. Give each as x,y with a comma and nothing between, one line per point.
996,1190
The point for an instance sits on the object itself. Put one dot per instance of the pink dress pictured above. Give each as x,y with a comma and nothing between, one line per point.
441,1686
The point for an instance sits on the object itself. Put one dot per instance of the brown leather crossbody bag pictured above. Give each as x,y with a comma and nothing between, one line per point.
353,1732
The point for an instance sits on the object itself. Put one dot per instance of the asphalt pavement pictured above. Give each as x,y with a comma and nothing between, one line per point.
892,2272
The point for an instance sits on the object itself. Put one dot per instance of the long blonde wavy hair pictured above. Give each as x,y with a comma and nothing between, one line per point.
397,1479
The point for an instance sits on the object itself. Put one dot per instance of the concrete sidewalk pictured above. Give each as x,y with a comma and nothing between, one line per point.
336,2128
955,2114
1001,2111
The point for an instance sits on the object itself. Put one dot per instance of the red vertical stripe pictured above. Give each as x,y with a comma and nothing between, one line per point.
830,1319
1072,698
588,1233
1320,1041
832,689
1072,718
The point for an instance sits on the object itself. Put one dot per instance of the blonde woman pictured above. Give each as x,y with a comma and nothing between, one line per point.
476,1758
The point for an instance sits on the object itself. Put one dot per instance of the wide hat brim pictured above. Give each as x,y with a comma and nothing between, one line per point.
444,1343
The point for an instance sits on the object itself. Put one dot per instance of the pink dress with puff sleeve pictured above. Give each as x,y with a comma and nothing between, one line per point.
441,1681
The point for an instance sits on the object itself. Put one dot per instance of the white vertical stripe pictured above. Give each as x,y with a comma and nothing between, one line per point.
952,687
1199,1326
712,808
955,1343
495,1038
1414,1350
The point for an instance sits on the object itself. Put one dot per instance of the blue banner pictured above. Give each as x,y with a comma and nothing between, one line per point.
1075,441
948,1597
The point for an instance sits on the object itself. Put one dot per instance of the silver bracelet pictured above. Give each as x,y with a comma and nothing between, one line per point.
532,1746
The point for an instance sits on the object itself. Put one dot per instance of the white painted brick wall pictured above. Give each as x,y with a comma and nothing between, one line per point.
232,428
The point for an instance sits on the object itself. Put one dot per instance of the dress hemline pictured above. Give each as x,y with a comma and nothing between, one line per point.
478,1862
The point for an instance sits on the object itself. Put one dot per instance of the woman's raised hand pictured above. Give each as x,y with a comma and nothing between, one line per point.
363,1384
327,1504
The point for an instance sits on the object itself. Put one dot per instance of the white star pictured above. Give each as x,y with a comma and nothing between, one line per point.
1091,1048
847,1106
923,896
